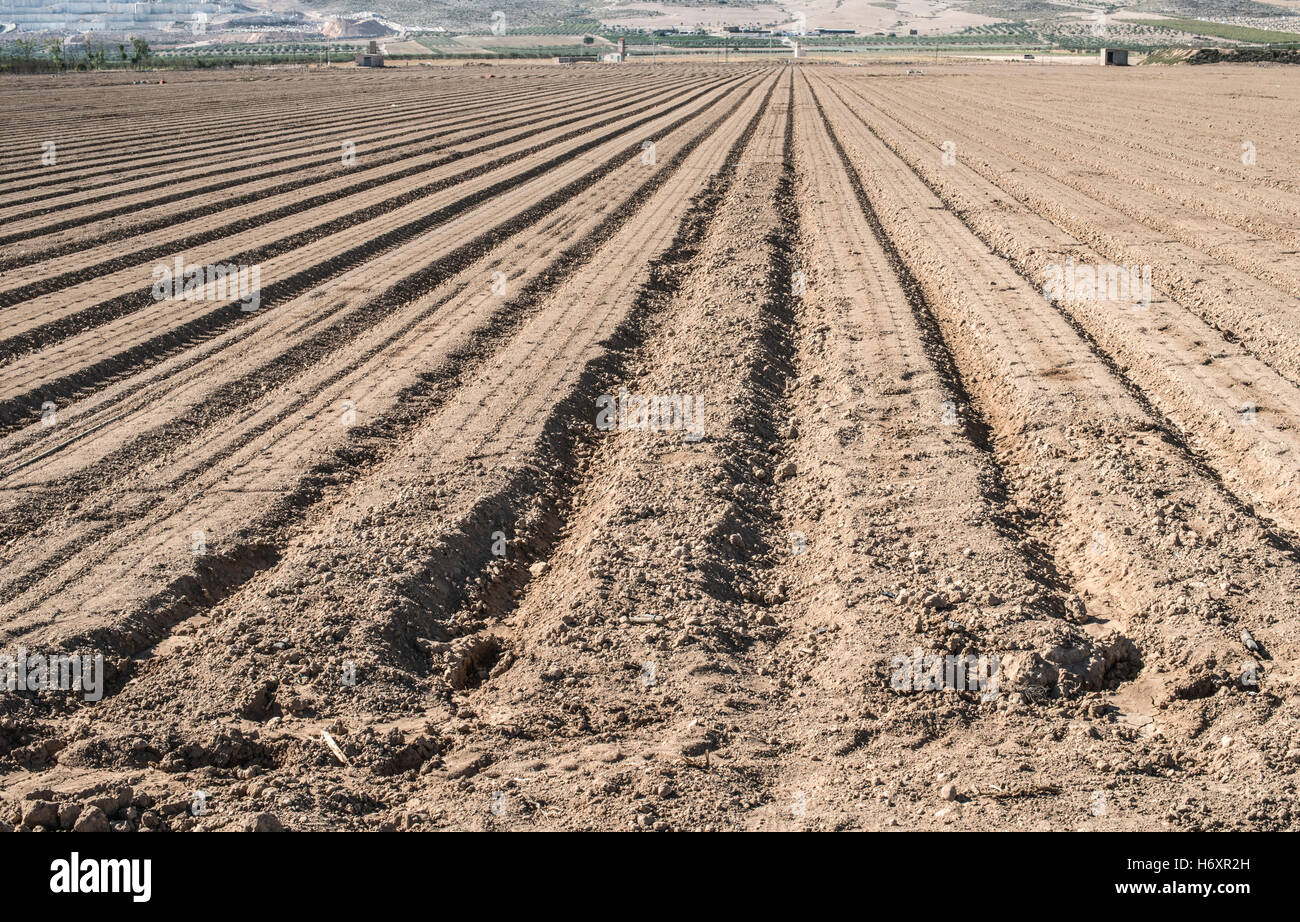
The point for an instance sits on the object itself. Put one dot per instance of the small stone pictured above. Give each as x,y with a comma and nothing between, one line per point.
92,819
107,804
68,814
538,568
466,764
265,822
40,813
948,792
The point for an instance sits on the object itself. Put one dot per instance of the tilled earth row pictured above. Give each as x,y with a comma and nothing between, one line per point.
687,447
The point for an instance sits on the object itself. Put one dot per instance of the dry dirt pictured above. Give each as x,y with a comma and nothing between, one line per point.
371,555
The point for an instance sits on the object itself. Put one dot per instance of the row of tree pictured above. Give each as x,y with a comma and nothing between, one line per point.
25,55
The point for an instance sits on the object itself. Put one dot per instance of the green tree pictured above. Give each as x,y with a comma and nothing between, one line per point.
139,52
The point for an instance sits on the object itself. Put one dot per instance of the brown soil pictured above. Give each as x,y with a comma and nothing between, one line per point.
368,557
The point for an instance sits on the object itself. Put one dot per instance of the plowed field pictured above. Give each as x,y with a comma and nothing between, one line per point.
652,447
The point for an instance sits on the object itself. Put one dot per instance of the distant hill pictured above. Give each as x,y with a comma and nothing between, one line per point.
1210,9
465,15
477,15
